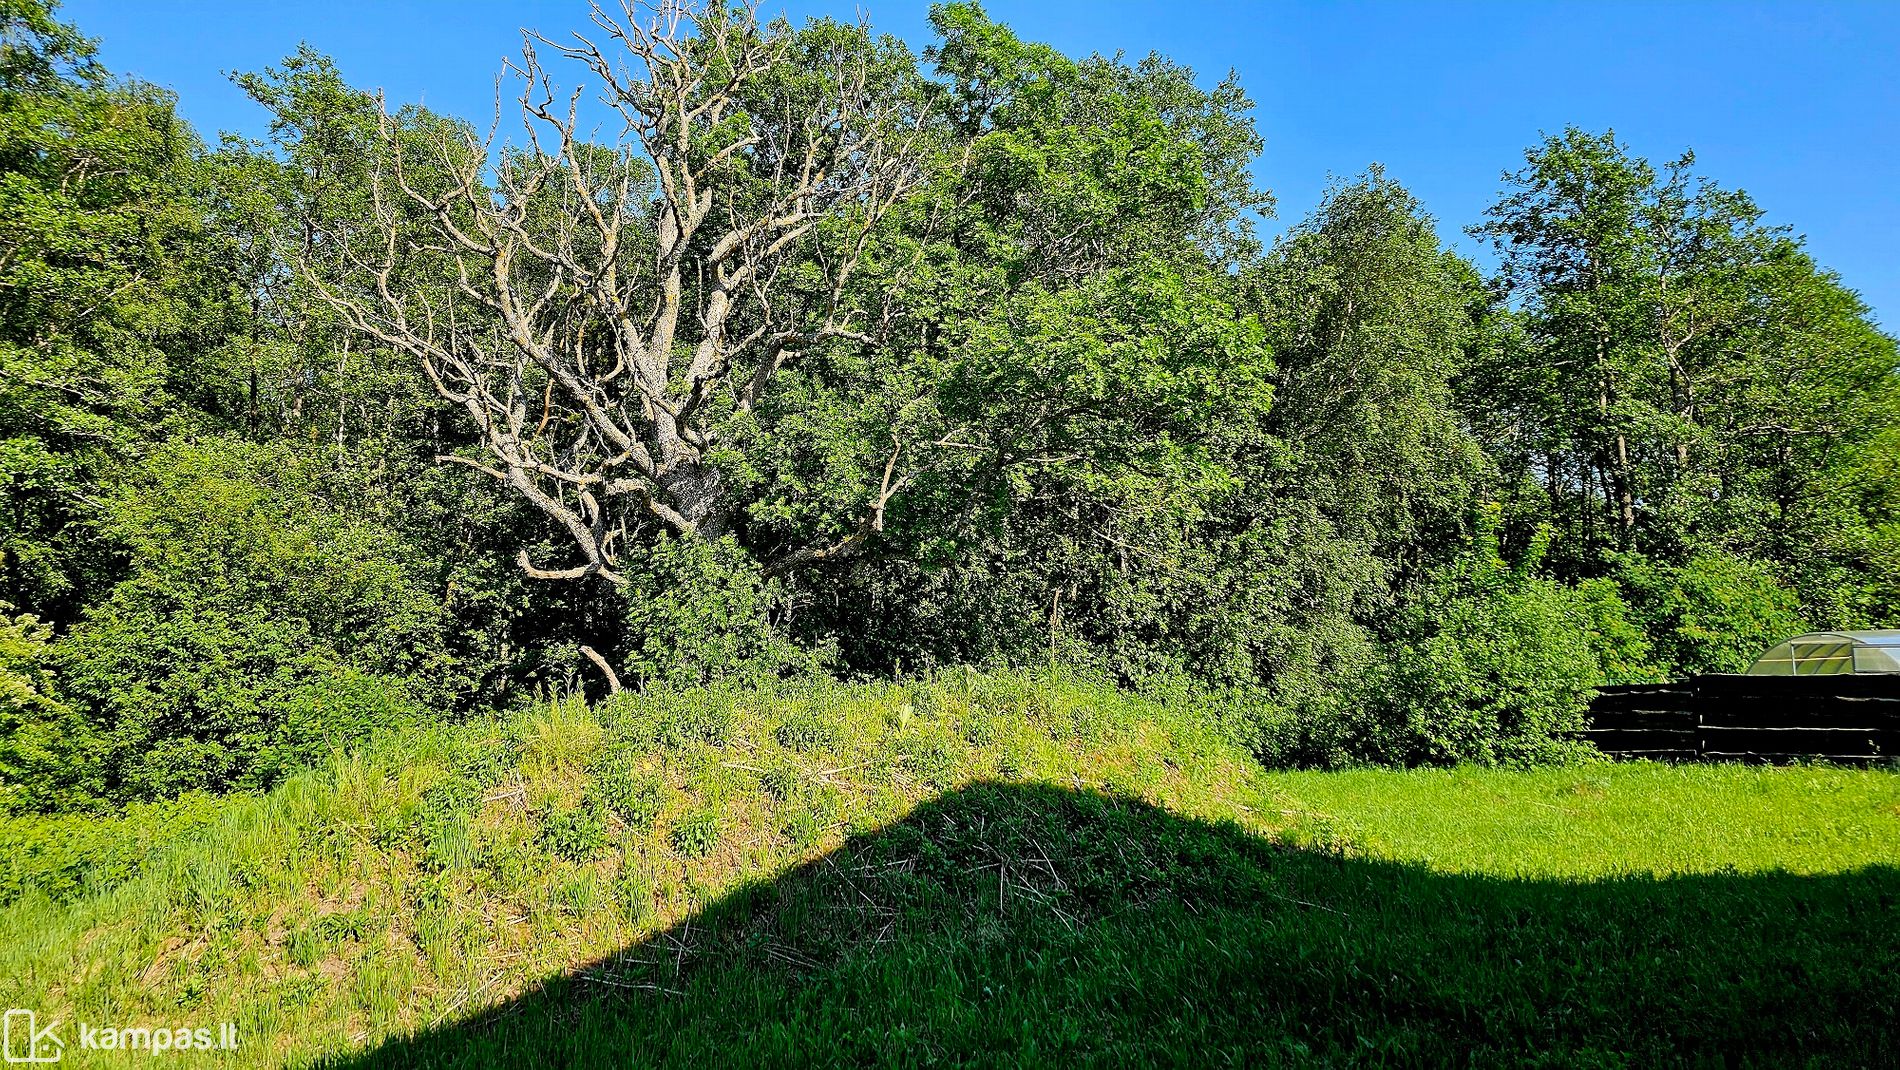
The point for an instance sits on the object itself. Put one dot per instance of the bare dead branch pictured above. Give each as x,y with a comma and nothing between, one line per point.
597,309
613,679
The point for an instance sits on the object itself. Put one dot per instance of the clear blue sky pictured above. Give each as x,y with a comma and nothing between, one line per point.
1798,103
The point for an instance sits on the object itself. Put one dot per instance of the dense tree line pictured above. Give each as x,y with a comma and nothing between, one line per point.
851,360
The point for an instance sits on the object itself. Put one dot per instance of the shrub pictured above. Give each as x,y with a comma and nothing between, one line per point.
260,625
49,755
1496,666
1716,612
1499,679
700,610
217,700
1623,651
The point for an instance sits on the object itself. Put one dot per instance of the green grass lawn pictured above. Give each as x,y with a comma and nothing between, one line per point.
1602,821
975,871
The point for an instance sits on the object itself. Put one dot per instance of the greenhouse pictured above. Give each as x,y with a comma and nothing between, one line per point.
1831,654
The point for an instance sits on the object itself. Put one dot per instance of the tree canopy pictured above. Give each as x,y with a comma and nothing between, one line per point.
828,356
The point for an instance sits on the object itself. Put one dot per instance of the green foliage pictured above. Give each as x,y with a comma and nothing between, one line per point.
1131,849
673,718
64,857
1055,384
109,293
1499,664
806,825
979,731
634,797
1064,411
1684,381
561,735
49,754
780,782
695,834
1621,643
259,627
1370,321
575,833
1116,159
701,610
806,730
1714,613
444,823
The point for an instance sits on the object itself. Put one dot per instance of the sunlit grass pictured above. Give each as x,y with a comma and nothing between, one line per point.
1603,820
413,884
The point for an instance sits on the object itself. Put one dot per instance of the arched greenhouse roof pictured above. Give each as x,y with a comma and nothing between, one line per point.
1831,654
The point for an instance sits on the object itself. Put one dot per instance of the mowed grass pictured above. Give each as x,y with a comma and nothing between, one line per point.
973,870
1600,821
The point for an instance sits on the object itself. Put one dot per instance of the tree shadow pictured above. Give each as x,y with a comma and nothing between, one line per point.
1031,925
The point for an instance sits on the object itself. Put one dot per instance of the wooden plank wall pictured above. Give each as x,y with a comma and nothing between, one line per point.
1645,721
1847,719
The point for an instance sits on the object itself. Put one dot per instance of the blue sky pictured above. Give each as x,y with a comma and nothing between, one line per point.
1797,103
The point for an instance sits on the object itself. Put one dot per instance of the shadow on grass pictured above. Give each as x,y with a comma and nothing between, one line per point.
1031,925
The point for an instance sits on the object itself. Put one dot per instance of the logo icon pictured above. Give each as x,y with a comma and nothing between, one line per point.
26,1042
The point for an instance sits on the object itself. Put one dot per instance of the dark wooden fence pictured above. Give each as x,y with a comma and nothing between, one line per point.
1848,719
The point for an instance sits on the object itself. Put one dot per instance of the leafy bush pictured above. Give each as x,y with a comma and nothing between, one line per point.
702,610
48,752
1498,665
1501,677
1715,613
1623,649
259,626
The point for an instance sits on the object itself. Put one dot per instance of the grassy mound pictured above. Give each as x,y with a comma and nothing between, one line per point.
974,870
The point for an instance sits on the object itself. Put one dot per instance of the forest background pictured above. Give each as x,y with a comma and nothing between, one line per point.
849,361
